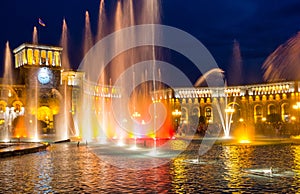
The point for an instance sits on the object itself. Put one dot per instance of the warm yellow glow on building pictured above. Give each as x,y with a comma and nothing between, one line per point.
24,59
57,59
36,57
50,58
208,100
30,56
43,57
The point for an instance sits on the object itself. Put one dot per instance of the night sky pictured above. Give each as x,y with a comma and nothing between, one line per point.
259,26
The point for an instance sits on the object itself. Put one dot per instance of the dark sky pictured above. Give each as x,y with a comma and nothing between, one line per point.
259,26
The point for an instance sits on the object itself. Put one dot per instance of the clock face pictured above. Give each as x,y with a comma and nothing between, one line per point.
44,75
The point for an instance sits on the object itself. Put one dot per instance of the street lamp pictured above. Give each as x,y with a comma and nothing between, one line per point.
229,110
136,115
176,113
297,107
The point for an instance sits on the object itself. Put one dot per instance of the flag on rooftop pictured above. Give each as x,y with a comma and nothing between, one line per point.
41,22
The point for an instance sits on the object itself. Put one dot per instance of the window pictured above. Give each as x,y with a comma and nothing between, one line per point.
258,114
43,57
271,109
57,58
208,112
24,59
50,57
30,56
36,57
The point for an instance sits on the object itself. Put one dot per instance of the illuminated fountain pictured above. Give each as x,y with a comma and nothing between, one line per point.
224,102
137,116
101,32
35,39
32,129
283,63
235,73
11,108
226,118
5,115
224,110
8,73
64,128
226,105
87,124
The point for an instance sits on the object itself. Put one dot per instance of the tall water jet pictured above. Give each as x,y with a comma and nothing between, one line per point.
8,68
33,105
63,123
8,79
225,110
213,74
101,22
64,44
235,73
88,37
283,63
102,113
150,13
87,127
34,131
131,12
126,78
153,17
35,36
118,67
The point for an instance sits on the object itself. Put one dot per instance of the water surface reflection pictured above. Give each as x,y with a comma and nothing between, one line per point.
65,168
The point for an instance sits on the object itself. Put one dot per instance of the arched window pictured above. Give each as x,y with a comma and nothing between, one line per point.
208,114
258,114
271,109
196,111
285,112
184,114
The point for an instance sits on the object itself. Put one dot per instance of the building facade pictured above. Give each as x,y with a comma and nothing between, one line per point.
45,94
269,108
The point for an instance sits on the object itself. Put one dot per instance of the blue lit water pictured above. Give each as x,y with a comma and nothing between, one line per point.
66,168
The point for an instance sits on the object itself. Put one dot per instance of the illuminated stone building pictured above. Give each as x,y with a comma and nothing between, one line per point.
267,105
44,93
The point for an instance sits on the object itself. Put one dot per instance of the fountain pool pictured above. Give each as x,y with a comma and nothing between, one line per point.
68,168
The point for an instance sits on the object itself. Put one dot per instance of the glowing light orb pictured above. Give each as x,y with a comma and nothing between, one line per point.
244,141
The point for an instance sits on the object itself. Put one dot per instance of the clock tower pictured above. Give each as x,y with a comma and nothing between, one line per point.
40,71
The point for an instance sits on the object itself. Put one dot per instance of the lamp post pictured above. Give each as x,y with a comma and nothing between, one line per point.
229,110
136,115
297,107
